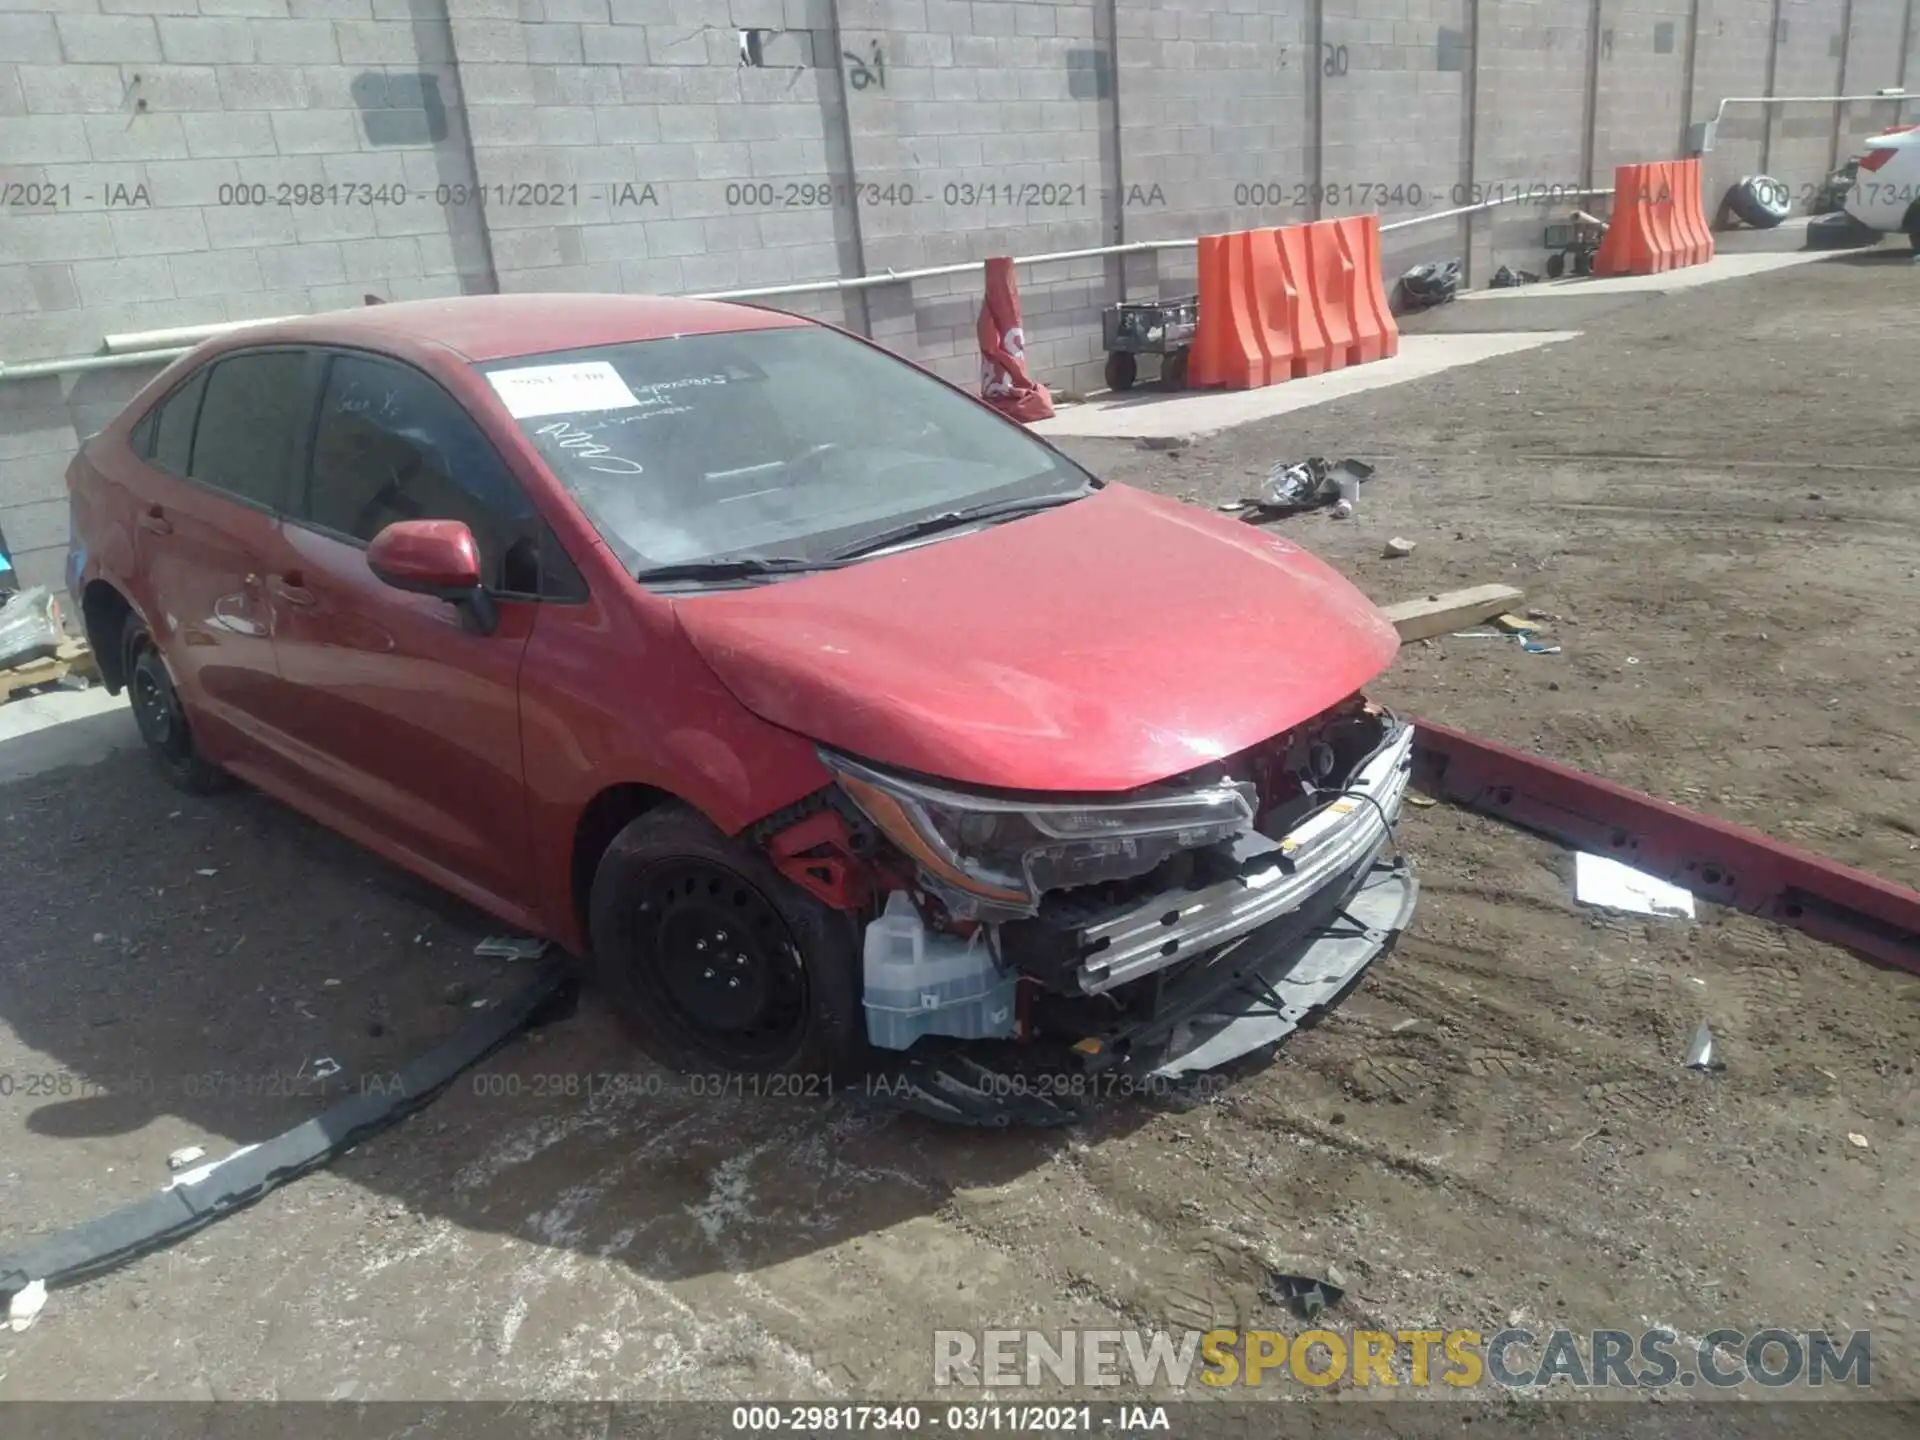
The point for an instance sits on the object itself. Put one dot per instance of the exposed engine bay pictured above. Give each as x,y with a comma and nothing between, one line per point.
1113,931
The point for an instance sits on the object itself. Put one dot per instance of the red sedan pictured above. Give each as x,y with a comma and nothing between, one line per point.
847,727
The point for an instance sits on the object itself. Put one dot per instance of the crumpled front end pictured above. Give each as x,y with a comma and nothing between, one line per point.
1031,945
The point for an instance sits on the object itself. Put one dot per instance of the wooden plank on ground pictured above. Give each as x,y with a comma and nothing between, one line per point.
1438,614
35,672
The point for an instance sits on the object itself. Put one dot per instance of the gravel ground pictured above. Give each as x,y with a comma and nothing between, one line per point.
1710,494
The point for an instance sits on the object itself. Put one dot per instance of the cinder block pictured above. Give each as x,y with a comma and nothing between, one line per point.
140,137
114,282
206,42
211,136
619,44
294,42
260,87
388,42
575,84
319,223
343,9
453,252
175,183
220,272
110,39
30,40
675,45
657,275
626,124
683,124
563,124
380,259
505,85
526,249
298,267
70,89
552,44
43,140
316,132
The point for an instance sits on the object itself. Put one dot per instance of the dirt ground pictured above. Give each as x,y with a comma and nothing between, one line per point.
1713,497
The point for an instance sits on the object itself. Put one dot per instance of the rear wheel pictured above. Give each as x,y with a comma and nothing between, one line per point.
713,960
160,715
1122,370
1173,371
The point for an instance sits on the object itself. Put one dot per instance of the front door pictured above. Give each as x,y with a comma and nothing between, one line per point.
407,721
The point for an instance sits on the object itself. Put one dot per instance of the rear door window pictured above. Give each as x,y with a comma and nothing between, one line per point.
254,414
171,425
392,445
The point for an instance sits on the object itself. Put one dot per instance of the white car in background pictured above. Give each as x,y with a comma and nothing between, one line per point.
1886,191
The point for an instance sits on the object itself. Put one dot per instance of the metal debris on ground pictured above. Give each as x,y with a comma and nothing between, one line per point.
1397,549
1293,486
1507,278
1600,880
1303,1294
512,947
325,1068
1700,1052
25,1306
1537,647
1425,286
185,1156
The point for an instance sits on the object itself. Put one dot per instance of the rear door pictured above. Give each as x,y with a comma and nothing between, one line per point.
224,445
409,722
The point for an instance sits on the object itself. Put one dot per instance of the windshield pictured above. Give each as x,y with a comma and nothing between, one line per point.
791,443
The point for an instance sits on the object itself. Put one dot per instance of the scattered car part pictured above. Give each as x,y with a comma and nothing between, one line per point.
1292,486
202,1196
1720,862
1507,278
919,981
1573,243
1840,231
1832,194
1760,201
1305,1295
512,947
25,1305
185,1156
30,627
1425,286
1700,1052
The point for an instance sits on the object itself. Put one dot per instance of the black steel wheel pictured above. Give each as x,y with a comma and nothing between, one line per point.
715,961
1122,370
160,715
1173,371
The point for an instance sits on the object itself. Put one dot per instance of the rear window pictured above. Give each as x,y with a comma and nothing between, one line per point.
254,408
795,441
172,425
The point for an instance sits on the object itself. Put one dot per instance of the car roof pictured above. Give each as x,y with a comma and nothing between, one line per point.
480,328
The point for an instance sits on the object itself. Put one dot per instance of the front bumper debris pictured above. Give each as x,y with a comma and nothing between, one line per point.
1246,999
1165,929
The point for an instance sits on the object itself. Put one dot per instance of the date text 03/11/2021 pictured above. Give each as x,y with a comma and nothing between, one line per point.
971,1419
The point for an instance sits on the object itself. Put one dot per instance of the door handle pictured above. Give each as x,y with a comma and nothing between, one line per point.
156,520
289,589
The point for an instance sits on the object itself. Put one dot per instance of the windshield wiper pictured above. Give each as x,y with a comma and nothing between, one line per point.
733,567
949,519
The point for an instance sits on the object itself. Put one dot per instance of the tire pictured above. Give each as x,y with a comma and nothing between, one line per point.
161,716
672,899
1173,371
1122,370
1556,266
1760,201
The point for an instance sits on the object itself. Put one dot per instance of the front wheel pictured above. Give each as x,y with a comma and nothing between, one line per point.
160,715
714,961
1122,370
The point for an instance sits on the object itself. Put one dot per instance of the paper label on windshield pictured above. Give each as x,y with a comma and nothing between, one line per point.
562,389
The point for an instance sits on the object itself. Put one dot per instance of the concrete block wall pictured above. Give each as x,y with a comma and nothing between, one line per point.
180,162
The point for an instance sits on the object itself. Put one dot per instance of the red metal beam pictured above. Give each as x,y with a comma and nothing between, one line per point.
1727,864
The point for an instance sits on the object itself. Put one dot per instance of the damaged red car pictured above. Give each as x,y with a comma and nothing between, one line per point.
841,725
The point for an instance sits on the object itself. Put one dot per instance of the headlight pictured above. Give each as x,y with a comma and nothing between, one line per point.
1009,852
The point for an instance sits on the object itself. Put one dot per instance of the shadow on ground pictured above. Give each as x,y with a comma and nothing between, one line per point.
182,971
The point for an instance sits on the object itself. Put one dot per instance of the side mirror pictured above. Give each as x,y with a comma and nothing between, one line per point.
438,558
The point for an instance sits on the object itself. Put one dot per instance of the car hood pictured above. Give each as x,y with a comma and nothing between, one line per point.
1101,646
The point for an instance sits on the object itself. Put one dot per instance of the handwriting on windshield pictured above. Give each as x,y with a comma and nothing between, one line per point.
589,451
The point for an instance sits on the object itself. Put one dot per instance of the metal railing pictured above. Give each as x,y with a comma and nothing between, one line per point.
155,347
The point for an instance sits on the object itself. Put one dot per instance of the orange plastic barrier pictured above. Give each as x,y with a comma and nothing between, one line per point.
1298,300
1658,220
